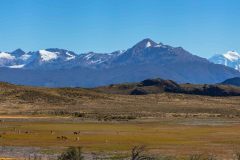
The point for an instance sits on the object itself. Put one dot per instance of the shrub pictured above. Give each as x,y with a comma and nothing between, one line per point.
202,157
72,153
138,153
79,114
237,156
195,157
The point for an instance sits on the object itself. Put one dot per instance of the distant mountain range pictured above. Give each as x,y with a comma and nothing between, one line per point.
147,59
230,59
53,58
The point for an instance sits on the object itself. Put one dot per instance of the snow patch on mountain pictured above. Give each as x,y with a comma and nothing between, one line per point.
96,61
17,66
88,56
47,56
121,52
148,44
25,57
158,46
70,56
232,55
153,44
4,55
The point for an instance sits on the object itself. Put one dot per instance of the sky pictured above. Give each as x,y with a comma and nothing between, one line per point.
203,27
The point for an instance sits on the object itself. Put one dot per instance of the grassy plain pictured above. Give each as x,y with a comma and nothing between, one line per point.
167,137
167,123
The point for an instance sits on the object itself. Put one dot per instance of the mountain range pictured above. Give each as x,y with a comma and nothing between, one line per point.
147,59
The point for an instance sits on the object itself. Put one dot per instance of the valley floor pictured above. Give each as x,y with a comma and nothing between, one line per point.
42,121
26,136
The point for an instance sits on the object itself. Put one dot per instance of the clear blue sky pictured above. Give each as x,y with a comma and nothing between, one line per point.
204,27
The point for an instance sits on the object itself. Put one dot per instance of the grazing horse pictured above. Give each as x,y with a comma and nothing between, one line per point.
76,133
62,138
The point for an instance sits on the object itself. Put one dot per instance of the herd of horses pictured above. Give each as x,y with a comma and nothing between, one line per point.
58,137
64,138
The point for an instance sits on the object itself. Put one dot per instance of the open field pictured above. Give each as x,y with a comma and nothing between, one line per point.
179,137
43,121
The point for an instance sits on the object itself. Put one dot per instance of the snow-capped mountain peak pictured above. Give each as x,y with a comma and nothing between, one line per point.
146,43
232,55
230,59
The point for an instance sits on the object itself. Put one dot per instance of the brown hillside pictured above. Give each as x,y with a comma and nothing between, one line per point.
101,104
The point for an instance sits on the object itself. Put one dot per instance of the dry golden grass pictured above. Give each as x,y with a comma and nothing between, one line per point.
66,101
165,137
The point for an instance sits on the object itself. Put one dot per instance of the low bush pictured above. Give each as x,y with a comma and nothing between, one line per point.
72,153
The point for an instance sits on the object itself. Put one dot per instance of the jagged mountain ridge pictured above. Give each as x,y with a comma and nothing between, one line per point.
145,51
55,58
52,58
146,59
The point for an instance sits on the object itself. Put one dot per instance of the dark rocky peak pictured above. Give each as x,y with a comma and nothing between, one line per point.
146,43
18,52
